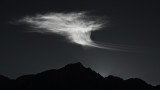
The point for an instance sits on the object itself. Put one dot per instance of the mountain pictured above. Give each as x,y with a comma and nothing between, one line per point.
73,77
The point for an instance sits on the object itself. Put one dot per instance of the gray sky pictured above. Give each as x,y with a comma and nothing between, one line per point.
131,24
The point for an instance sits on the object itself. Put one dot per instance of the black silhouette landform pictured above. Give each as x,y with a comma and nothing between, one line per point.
73,77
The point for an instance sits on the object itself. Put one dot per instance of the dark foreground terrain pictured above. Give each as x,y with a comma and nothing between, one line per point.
73,77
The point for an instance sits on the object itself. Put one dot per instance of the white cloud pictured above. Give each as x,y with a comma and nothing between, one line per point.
76,27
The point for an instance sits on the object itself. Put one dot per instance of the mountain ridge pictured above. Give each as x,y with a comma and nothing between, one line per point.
72,76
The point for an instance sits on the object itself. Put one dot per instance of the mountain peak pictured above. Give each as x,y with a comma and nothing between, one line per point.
75,65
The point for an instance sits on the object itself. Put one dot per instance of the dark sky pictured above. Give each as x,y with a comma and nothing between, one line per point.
131,24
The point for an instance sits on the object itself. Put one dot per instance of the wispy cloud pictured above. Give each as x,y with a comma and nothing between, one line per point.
76,27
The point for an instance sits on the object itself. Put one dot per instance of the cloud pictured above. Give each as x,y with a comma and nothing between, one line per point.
76,27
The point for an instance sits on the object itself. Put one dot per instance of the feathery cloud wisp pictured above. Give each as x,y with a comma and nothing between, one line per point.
76,27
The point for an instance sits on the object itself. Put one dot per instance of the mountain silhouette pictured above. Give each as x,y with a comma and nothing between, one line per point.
73,77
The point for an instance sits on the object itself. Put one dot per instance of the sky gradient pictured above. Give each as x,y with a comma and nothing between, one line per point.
132,25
